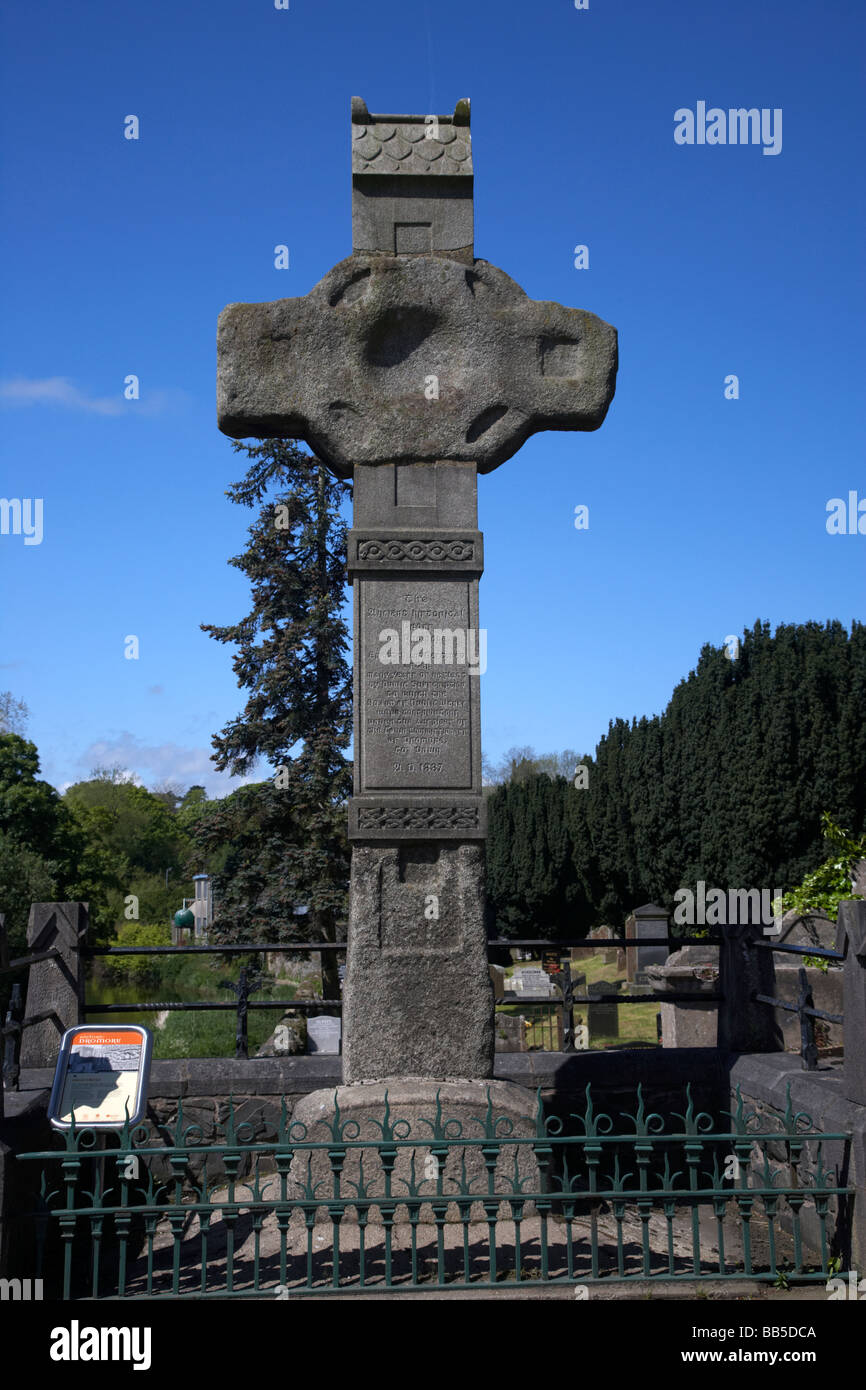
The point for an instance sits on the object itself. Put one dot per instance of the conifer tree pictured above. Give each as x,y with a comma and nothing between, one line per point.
291,658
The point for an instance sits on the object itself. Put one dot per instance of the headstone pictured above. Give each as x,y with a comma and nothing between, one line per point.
692,969
497,979
510,1033
413,366
603,1017
647,921
532,983
323,1034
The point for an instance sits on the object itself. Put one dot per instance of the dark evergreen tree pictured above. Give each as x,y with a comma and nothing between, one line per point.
728,785
291,657
534,883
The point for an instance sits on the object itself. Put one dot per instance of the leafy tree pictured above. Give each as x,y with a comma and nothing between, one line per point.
31,810
137,844
25,877
521,763
291,657
135,825
829,884
44,855
13,714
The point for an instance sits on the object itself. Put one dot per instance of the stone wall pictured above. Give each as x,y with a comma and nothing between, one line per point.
763,1080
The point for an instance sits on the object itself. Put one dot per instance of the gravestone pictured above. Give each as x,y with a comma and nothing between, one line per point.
323,1034
510,1033
412,367
497,979
647,921
288,1038
602,1018
532,984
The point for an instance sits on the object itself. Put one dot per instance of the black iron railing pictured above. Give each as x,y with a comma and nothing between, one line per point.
805,1005
248,984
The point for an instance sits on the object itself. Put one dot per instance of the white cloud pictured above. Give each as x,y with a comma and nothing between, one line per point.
151,764
60,391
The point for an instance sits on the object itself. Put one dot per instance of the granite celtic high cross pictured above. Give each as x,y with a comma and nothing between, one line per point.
412,367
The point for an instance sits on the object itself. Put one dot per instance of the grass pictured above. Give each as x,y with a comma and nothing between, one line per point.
637,1022
197,1033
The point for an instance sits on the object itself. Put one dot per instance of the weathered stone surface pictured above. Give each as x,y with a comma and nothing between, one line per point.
827,995
851,939
412,184
417,999
691,969
413,1104
415,721
510,1032
745,1024
815,929
54,986
345,368
415,557
647,921
412,366
288,1039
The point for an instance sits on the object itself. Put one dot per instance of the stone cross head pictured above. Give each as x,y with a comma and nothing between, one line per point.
411,350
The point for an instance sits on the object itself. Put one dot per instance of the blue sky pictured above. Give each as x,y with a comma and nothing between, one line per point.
704,513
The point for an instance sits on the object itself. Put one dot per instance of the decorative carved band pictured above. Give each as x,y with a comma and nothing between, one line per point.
418,817
385,551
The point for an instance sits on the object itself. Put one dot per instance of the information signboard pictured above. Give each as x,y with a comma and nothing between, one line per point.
101,1077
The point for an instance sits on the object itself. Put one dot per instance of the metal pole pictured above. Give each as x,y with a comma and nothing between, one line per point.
567,1009
241,1048
808,1048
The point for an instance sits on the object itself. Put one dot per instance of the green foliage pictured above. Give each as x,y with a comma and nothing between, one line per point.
824,888
134,826
25,878
727,785
203,1034
41,847
534,883
283,842
137,970
271,863
136,844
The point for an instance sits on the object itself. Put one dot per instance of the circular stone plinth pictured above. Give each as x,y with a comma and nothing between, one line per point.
427,1120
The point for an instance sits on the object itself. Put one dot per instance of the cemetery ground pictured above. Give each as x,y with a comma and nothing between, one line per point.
637,1022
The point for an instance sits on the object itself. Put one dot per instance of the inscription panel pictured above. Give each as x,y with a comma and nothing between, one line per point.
417,701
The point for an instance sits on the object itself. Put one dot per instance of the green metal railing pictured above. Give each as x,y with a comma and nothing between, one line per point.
385,1202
